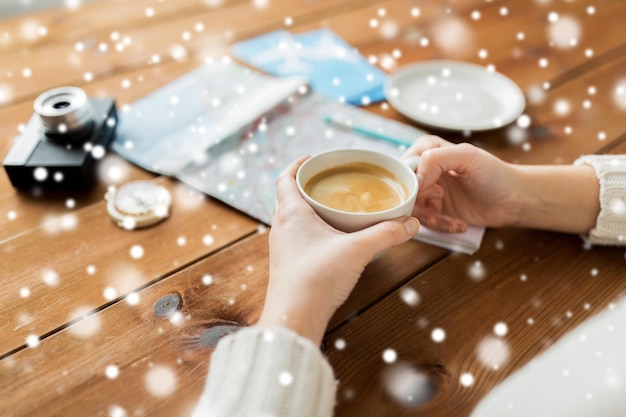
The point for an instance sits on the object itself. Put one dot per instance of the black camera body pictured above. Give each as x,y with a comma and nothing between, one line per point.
62,142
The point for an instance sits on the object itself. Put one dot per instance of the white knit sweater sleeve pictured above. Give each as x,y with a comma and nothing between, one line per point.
261,371
610,228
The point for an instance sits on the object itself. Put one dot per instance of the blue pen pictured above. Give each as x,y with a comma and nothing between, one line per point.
365,132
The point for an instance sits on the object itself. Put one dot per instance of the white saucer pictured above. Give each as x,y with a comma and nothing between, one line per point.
454,95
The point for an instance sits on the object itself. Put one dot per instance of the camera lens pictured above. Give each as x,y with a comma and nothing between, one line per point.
66,114
61,105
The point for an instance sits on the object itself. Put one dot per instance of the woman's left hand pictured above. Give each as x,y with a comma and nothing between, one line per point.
314,267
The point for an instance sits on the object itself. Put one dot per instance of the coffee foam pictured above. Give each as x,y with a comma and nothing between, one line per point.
356,187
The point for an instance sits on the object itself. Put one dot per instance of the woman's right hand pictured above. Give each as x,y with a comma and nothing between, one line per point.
461,184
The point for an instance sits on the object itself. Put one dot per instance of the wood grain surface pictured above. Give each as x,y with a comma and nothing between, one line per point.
96,320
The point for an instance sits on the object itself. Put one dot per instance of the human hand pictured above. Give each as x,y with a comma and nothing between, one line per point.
462,184
314,267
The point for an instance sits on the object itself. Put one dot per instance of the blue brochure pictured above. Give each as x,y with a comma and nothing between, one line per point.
333,67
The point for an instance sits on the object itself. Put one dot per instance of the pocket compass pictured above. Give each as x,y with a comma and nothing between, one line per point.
138,204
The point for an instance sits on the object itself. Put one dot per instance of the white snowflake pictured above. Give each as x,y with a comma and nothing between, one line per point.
390,356
161,381
438,335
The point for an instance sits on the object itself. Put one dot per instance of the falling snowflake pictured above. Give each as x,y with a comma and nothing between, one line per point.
389,29
132,298
390,356
285,378
32,341
86,326
176,318
477,271
453,36
493,352
466,379
6,93
160,381
619,94
109,293
112,372
213,3
50,277
523,121
562,107
340,344
30,30
178,52
500,329
136,252
438,335
407,385
409,296
40,174
116,411
612,381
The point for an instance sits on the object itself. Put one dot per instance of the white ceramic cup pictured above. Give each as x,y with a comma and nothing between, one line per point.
403,171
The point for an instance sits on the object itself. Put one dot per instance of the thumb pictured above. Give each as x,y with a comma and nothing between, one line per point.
387,234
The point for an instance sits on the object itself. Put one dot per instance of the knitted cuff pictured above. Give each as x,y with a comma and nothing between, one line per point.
610,226
267,371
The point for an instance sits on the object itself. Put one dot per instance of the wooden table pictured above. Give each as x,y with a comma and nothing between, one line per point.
89,328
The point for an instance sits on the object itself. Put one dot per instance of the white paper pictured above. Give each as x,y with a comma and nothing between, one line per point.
467,242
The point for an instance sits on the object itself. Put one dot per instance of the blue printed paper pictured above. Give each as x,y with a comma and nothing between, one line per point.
333,67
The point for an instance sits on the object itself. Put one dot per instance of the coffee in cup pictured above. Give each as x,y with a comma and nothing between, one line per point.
357,187
352,188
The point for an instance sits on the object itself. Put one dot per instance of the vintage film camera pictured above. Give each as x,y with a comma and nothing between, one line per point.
62,141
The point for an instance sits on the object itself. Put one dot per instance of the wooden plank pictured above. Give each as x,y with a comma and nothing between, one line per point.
619,148
61,63
75,382
137,342
558,136
66,24
496,35
76,262
539,284
403,262
561,127
386,21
